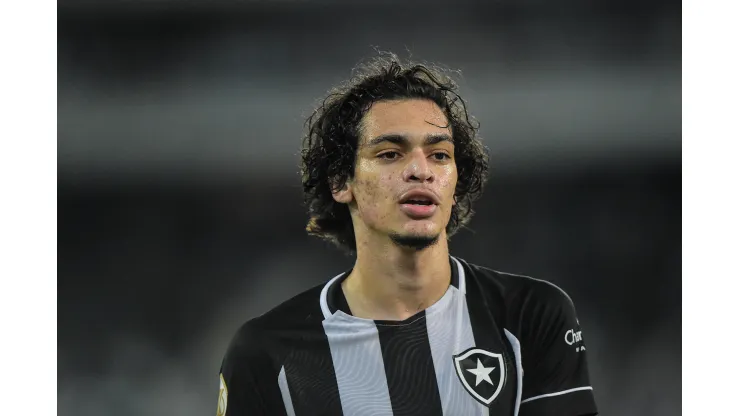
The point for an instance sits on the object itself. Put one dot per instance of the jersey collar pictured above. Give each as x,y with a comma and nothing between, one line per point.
333,299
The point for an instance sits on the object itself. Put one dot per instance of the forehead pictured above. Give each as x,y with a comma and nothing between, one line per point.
413,117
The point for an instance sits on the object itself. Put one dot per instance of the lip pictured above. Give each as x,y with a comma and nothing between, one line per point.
419,212
419,193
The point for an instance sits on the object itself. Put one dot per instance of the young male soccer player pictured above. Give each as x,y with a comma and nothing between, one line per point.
391,166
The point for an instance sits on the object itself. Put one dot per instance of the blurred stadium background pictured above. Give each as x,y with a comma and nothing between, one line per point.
179,207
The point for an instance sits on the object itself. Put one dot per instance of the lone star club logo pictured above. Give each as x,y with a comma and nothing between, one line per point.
481,372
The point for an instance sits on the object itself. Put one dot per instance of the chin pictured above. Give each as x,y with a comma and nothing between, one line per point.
415,241
421,228
417,235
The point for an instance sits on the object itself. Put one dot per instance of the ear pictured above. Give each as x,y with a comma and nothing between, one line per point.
343,195
454,201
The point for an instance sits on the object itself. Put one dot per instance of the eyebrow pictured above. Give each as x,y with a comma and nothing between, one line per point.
402,140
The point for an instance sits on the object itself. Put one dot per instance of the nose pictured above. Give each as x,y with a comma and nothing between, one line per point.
418,169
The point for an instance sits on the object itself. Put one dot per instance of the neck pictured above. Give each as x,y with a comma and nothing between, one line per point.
393,283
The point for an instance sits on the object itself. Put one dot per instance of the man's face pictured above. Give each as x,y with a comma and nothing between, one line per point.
405,175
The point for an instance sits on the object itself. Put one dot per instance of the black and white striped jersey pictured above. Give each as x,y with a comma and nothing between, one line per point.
494,344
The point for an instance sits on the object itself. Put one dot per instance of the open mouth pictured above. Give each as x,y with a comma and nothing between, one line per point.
419,207
418,202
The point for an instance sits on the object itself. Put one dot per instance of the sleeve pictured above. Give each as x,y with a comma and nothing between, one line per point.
555,371
248,380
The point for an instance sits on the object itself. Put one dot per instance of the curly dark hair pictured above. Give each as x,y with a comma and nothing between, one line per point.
333,134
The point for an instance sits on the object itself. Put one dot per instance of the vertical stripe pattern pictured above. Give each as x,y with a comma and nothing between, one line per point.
383,368
409,367
309,371
484,310
358,365
285,392
450,333
516,346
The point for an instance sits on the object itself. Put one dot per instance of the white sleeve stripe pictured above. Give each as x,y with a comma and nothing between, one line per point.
517,347
285,392
557,394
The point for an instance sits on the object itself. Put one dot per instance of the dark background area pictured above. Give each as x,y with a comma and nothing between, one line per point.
179,201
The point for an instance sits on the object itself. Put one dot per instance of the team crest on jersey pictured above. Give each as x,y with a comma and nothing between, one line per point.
482,373
223,396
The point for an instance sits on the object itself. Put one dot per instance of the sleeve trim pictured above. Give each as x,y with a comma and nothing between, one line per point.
285,392
542,396
516,346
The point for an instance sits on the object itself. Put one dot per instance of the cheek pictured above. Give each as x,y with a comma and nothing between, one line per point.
375,195
448,181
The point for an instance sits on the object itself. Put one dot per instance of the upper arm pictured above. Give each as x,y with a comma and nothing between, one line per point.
249,382
554,358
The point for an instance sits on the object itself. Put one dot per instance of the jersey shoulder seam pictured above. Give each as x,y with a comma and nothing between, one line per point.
532,281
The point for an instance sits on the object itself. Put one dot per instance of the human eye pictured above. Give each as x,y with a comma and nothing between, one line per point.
441,156
390,155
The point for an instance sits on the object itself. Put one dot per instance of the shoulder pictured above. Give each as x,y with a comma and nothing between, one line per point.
515,289
269,331
528,307
299,309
